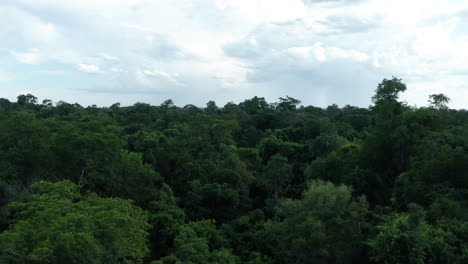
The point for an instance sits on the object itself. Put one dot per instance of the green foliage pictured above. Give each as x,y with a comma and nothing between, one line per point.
211,108
59,225
325,226
254,105
388,90
439,101
254,182
200,242
287,104
276,174
26,99
408,238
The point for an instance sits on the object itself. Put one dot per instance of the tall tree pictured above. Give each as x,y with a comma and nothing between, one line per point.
439,101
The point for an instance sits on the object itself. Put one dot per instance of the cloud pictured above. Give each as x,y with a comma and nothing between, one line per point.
246,48
125,90
20,29
117,69
312,2
169,77
346,24
109,58
268,37
320,51
51,72
351,47
321,54
328,73
88,68
32,56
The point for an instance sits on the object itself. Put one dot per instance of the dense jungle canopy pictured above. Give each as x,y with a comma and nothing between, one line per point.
254,182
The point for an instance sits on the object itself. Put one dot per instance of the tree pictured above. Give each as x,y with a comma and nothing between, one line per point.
24,99
167,105
326,143
47,103
254,105
211,108
275,175
24,149
59,225
388,90
333,111
166,218
325,226
88,155
386,149
253,182
432,173
439,101
402,238
212,201
5,104
200,242
409,238
287,104
243,234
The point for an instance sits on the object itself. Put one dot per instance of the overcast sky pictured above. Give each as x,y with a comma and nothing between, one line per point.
192,51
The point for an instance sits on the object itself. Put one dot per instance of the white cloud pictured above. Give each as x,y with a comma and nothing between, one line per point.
116,70
21,29
321,54
257,11
322,51
88,68
170,77
51,72
32,56
108,57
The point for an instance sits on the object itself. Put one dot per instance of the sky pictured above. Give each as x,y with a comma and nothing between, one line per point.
321,52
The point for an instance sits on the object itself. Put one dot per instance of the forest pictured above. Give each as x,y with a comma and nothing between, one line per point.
255,182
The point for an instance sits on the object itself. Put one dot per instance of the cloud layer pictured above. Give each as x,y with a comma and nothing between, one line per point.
320,51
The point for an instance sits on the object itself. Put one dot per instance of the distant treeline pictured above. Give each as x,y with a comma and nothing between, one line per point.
254,182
